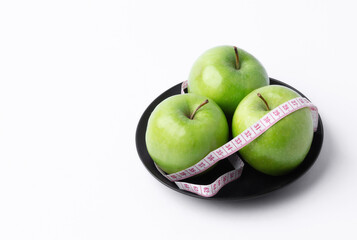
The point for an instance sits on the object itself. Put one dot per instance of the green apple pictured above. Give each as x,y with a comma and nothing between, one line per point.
226,74
284,145
183,129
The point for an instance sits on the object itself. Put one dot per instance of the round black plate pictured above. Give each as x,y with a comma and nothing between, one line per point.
251,183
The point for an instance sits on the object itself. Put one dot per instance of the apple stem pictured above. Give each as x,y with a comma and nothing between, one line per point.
237,57
266,104
193,114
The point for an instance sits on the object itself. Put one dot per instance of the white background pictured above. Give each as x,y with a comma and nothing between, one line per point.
75,77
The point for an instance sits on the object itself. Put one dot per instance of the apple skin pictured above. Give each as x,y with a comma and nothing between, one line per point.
283,146
174,141
214,75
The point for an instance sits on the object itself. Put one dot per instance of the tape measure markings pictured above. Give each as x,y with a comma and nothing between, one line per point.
231,147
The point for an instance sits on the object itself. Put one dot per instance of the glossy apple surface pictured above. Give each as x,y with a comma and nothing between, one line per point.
283,146
215,74
176,142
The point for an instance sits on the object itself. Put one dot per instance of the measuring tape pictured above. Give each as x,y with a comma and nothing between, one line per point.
233,146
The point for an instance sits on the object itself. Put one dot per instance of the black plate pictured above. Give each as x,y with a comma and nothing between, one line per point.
251,184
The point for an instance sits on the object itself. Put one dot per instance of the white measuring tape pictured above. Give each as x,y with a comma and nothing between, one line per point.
233,146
